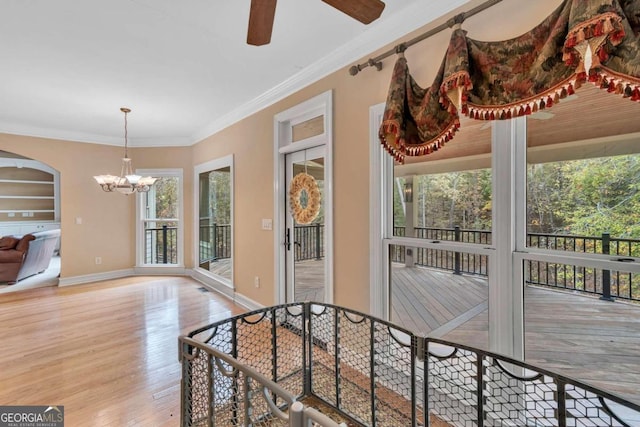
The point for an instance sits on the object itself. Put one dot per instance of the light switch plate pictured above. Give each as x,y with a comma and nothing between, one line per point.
267,224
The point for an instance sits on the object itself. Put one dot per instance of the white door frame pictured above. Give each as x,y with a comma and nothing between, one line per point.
283,123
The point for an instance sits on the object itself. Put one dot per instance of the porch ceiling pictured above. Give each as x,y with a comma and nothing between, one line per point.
592,123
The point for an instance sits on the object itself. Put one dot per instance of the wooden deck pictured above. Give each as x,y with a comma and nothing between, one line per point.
221,267
308,274
579,336
434,302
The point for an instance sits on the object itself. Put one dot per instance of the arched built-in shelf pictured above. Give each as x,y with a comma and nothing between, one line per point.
29,196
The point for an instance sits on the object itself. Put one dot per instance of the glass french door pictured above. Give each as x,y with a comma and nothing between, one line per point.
305,237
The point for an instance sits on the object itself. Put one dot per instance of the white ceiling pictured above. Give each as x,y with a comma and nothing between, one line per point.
183,67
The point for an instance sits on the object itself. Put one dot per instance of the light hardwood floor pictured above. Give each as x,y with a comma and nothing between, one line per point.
108,351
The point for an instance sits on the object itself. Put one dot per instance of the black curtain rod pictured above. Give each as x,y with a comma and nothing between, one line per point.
458,19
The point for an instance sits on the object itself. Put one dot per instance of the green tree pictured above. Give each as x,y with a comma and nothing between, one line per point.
448,200
546,198
165,198
602,196
219,197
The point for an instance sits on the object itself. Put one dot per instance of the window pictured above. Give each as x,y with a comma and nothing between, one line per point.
214,250
160,224
581,280
440,204
583,168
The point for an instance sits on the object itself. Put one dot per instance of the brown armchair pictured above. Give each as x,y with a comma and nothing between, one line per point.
12,254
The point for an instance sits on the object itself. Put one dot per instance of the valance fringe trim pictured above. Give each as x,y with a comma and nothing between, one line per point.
524,108
398,148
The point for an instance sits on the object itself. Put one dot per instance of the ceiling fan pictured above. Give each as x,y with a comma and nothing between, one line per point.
263,11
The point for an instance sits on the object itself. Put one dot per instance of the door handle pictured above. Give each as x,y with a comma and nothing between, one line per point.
287,239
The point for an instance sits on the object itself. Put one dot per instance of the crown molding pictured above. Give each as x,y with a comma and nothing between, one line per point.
90,138
373,37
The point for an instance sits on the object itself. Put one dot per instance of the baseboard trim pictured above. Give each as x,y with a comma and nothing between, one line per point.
213,284
96,277
224,289
207,281
161,271
247,302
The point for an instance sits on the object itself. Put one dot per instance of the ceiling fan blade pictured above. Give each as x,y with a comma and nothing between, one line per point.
261,22
365,11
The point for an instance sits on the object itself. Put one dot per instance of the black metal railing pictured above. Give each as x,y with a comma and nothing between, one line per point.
215,241
457,262
606,283
309,242
374,373
161,245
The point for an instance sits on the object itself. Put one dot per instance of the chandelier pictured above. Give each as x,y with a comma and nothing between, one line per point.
127,182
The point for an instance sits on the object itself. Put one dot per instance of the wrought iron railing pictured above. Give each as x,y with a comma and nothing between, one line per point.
238,394
161,245
457,262
370,372
215,241
309,242
606,283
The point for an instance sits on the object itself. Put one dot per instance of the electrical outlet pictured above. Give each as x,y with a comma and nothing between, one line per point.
256,281
98,260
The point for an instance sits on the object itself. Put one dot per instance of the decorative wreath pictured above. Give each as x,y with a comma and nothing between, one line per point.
304,182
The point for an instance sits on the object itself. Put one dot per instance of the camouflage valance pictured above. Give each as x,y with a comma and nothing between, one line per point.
582,40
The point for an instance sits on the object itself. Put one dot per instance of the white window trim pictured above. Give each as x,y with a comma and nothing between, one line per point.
283,123
504,289
379,297
141,267
208,277
508,250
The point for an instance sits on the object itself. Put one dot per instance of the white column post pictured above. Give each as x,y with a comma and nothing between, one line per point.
505,287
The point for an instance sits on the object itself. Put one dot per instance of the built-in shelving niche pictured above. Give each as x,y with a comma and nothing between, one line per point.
29,191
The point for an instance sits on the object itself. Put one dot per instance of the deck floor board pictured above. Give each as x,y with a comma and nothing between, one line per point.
576,335
573,334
